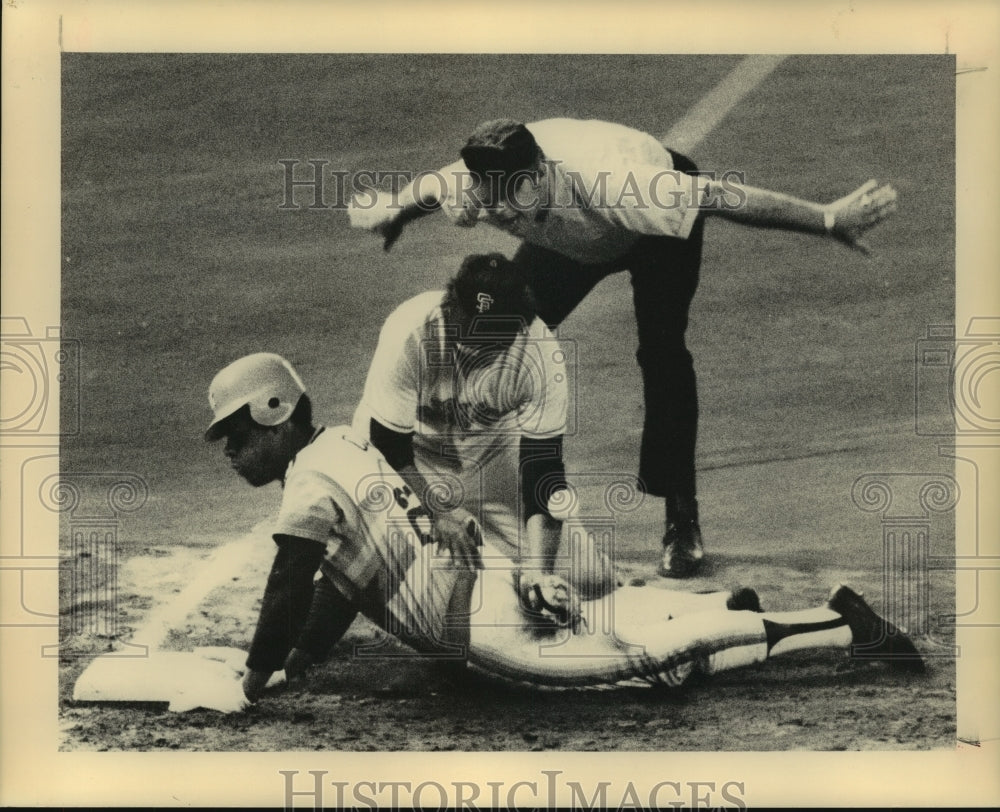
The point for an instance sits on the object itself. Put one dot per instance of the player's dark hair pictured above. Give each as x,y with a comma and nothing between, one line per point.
501,147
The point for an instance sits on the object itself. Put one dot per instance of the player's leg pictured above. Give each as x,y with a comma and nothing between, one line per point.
720,641
665,274
637,605
558,283
625,635
625,645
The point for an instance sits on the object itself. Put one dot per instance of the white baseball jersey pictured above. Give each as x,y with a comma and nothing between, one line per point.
605,184
461,415
340,491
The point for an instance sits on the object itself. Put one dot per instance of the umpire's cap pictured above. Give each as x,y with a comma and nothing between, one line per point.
265,382
492,293
502,145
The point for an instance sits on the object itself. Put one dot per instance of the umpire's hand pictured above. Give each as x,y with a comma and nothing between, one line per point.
389,230
850,217
377,213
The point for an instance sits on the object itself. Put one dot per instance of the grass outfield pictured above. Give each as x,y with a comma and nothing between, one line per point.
177,259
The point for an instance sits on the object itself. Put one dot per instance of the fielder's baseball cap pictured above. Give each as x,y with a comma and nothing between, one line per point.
265,382
492,292
502,145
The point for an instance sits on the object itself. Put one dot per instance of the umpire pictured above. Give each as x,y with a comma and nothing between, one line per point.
592,198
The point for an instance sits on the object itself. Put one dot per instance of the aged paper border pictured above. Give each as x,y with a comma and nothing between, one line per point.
33,772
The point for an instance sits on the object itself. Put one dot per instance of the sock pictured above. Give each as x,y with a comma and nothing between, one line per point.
681,510
808,628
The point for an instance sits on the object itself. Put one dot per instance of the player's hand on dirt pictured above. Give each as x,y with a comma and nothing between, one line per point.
297,663
254,683
235,659
854,214
548,596
458,533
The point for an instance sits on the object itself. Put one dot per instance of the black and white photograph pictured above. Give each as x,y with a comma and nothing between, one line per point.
460,402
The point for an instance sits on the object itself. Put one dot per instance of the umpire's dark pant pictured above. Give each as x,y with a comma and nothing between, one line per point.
664,274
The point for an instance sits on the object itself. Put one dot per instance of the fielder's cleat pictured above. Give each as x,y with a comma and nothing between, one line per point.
872,636
683,550
744,599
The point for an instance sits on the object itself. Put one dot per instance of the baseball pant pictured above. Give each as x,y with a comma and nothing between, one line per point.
634,635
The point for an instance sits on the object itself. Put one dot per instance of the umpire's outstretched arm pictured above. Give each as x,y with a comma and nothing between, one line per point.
846,219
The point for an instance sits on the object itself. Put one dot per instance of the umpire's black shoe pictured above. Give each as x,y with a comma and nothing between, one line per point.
872,636
683,550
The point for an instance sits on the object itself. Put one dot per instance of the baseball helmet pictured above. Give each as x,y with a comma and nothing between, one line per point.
265,382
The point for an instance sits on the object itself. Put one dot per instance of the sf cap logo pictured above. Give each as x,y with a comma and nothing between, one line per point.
485,301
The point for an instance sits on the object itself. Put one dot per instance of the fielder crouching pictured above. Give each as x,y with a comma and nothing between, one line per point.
347,515
467,398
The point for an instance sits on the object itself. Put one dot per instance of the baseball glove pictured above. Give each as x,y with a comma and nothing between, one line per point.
547,600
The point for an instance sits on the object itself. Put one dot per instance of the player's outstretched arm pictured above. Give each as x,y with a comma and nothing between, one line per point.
542,474
847,220
330,615
539,590
542,536
284,608
387,213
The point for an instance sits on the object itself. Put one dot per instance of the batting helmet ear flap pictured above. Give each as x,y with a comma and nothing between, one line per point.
272,410
265,382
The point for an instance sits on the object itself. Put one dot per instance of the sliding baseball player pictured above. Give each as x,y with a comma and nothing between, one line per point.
349,518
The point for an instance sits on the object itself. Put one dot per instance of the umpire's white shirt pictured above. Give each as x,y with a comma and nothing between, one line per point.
605,184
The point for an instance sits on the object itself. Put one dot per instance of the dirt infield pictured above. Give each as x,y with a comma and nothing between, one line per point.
179,256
